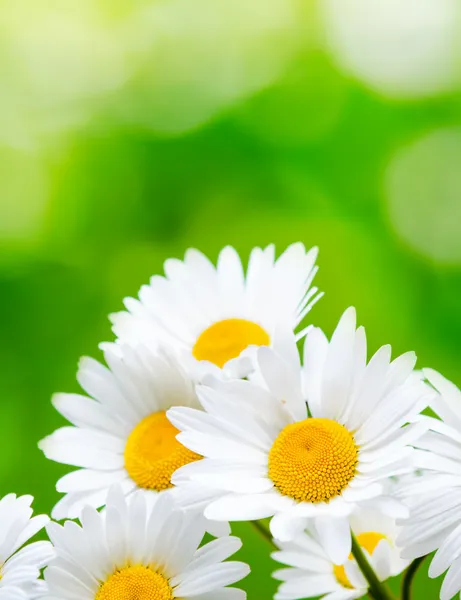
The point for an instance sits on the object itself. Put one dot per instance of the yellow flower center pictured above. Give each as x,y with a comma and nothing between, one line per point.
153,454
135,583
341,577
226,339
313,460
368,540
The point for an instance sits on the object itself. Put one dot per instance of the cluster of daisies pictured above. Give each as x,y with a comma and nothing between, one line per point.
214,405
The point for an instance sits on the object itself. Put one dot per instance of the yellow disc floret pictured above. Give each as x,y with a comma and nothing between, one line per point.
368,540
135,583
313,460
152,453
226,339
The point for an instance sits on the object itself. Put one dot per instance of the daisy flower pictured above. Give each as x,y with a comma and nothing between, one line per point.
131,551
20,567
311,573
266,455
120,434
434,498
211,315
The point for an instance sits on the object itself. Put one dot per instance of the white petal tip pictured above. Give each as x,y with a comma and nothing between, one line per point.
43,444
349,315
434,572
212,516
431,375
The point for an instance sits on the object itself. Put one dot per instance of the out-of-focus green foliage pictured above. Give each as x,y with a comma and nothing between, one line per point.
130,131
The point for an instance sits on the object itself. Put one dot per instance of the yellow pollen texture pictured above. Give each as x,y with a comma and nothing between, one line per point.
135,583
313,460
226,339
368,540
153,454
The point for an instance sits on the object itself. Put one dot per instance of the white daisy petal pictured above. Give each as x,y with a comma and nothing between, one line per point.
231,280
86,413
212,553
355,575
447,552
452,582
381,560
338,367
371,387
434,499
223,409
315,585
450,398
400,369
419,549
20,566
206,579
315,351
98,381
334,535
222,594
279,379
219,448
284,344
285,526
72,504
240,507
88,479
83,448
345,595
302,560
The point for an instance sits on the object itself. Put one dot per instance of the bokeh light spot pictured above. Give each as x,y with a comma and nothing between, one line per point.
423,195
402,49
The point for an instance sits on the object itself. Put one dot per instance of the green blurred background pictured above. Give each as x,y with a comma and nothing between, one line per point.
131,130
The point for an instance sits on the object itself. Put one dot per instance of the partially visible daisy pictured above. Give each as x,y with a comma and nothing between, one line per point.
266,456
131,551
312,573
20,566
434,498
120,434
211,315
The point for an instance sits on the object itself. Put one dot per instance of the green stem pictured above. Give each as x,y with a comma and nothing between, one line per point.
263,531
409,576
377,589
